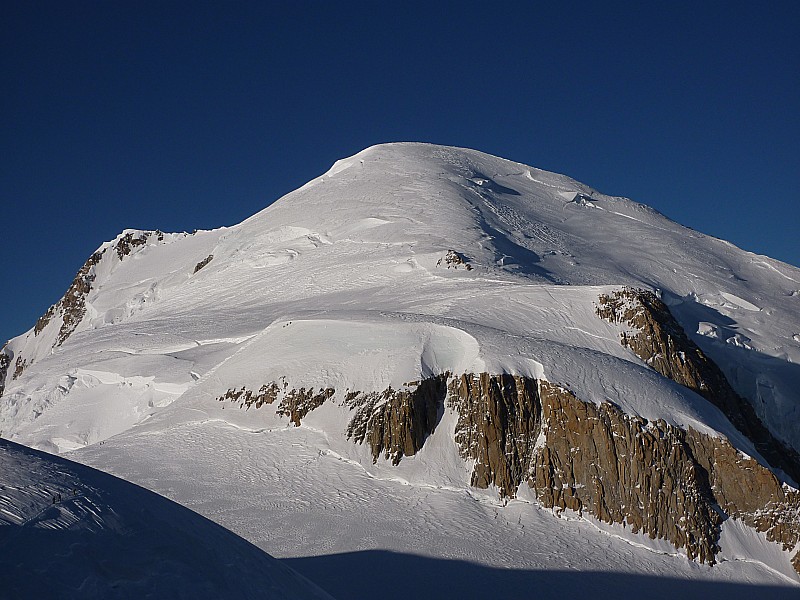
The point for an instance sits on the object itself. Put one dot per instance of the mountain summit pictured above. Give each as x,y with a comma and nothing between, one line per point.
426,322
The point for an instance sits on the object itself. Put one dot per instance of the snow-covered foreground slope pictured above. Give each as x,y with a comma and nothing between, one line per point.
69,531
377,531
431,318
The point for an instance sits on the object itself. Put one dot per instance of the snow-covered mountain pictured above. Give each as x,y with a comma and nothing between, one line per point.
429,342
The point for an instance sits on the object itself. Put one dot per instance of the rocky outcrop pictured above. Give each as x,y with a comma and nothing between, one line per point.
72,306
126,244
498,423
396,423
454,260
296,404
661,343
203,263
657,479
5,363
246,398
622,469
19,367
584,457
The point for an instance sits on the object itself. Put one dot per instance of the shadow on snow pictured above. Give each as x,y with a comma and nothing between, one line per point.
395,576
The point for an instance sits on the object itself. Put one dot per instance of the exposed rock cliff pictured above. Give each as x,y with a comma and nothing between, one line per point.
498,423
623,469
655,478
396,423
296,404
662,344
72,306
748,491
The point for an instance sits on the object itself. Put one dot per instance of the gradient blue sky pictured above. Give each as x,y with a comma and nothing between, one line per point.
184,115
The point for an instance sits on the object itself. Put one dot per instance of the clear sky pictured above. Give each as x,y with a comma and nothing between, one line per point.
184,115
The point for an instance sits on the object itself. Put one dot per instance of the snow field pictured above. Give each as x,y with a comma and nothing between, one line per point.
341,284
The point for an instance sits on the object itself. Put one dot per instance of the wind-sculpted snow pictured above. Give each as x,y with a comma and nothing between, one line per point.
68,531
342,310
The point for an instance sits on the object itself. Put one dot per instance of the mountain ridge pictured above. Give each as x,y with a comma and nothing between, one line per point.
410,262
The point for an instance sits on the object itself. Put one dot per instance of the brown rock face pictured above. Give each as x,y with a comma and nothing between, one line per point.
19,367
622,469
498,421
72,306
396,423
296,404
42,321
588,458
652,477
267,394
129,241
656,479
749,492
662,344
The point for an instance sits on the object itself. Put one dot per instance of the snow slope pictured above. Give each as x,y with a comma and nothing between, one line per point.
352,527
359,281
68,531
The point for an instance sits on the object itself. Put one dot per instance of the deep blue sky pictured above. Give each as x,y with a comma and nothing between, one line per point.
184,115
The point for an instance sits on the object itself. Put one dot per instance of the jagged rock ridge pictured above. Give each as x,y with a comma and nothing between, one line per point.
71,308
662,343
394,423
